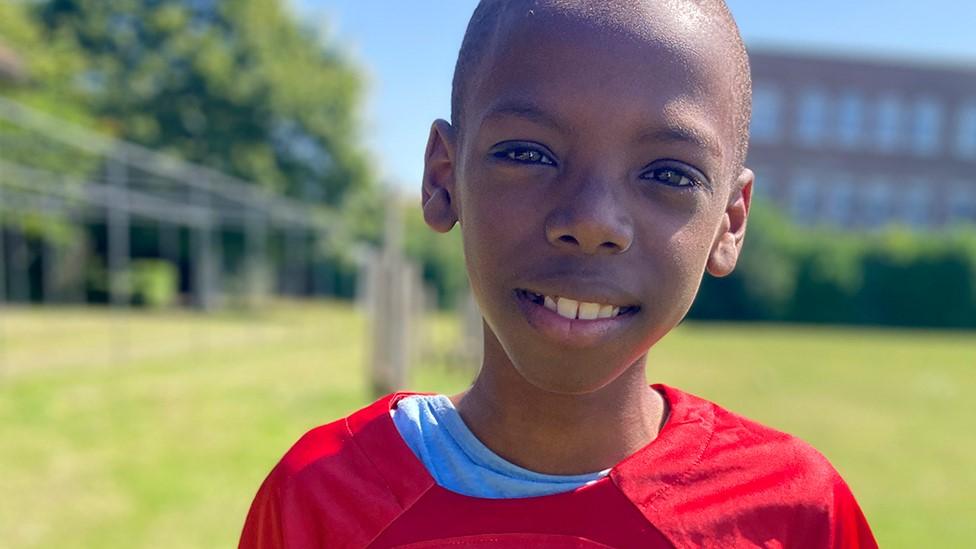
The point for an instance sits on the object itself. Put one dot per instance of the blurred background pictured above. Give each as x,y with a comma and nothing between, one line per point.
210,243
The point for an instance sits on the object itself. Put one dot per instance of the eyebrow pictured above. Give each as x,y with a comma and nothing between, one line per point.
675,132
684,133
527,110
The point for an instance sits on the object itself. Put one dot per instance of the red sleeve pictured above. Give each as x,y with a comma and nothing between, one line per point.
850,528
263,528
328,490
316,497
281,517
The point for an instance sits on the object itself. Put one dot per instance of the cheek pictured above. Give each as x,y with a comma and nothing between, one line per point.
499,224
691,251
488,226
678,227
680,239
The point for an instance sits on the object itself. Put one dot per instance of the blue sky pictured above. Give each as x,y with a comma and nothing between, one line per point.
408,49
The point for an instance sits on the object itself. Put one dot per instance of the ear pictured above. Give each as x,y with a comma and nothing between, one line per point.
437,195
732,230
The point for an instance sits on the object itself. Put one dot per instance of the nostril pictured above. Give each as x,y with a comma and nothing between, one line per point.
610,246
569,239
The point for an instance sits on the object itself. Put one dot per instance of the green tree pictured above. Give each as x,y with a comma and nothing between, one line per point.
237,85
45,67
40,70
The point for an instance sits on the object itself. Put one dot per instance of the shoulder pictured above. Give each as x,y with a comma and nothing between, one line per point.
744,448
339,484
768,451
326,450
325,445
760,484
718,439
362,445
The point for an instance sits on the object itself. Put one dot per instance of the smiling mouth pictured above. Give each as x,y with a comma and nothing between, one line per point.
574,309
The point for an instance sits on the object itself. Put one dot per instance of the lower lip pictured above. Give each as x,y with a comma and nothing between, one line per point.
574,333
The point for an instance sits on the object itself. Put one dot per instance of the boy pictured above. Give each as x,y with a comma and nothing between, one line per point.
594,163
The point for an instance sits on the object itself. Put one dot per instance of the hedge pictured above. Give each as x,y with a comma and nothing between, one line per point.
895,276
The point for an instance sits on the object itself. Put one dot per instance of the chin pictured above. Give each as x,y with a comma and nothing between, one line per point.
573,375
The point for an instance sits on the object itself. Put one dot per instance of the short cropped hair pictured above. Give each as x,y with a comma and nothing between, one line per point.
488,15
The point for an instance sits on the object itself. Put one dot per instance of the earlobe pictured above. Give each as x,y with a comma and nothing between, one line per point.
732,230
437,193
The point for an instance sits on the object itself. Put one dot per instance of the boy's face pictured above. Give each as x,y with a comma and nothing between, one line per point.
595,166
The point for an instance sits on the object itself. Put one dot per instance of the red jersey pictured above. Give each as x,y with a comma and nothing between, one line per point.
710,479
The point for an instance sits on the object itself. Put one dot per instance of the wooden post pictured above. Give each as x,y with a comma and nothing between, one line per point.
392,296
472,332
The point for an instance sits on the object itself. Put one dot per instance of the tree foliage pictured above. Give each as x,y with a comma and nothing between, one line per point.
45,67
47,61
237,85
48,64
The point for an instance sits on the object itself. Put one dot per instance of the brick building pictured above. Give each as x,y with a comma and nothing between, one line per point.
864,143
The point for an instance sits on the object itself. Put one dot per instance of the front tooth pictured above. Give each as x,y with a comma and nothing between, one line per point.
606,311
588,311
550,304
567,307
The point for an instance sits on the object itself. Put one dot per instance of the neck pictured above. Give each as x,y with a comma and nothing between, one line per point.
558,433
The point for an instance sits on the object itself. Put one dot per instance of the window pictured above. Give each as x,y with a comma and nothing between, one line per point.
889,123
850,119
766,113
803,199
962,202
927,127
839,195
916,203
812,117
966,133
876,197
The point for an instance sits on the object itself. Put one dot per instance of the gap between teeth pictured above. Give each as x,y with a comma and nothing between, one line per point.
572,309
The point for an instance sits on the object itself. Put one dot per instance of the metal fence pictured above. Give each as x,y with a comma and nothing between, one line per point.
115,188
84,216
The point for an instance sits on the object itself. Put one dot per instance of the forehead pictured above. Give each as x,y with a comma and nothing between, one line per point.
661,63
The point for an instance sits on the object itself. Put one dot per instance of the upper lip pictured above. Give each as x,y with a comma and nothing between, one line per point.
589,290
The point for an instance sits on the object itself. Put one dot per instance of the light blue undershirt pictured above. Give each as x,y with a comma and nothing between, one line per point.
459,462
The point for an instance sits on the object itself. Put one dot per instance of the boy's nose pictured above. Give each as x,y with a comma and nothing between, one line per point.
592,224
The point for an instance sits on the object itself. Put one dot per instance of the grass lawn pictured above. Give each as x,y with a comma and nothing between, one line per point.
154,430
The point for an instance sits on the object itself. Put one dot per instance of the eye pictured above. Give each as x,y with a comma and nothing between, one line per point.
673,176
523,153
670,176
